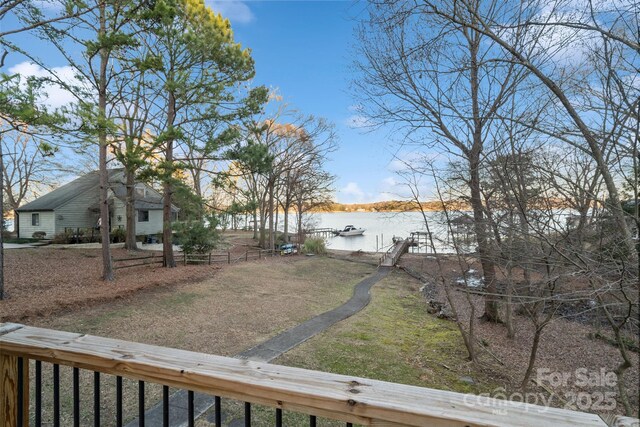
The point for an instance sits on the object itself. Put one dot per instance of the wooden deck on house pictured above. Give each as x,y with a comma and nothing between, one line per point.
318,394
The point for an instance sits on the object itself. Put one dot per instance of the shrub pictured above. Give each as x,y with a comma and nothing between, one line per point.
196,237
39,235
119,235
64,238
314,245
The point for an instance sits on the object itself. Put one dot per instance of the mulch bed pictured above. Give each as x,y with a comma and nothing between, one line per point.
43,281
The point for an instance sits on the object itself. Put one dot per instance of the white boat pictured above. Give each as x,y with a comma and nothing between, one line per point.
350,230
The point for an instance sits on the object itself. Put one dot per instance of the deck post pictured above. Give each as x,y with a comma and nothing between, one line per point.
9,378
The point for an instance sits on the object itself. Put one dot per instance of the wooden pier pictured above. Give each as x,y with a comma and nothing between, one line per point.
324,232
391,257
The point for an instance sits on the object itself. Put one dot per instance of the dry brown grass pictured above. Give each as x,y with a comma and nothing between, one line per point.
236,308
226,313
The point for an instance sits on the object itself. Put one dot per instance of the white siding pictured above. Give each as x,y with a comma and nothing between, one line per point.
47,224
153,226
119,218
76,213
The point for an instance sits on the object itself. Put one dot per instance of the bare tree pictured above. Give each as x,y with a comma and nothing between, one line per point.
443,83
28,169
518,32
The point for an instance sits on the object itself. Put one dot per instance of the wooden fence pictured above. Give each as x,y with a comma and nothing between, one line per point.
225,257
152,259
25,350
208,258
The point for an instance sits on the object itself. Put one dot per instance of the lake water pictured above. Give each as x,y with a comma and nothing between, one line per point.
380,228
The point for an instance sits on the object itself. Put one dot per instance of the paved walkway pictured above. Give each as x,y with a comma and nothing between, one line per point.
269,350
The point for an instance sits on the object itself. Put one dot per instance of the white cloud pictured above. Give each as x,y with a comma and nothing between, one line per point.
55,96
357,121
352,193
390,181
49,5
235,11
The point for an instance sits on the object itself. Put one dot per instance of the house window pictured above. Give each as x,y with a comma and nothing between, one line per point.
35,219
143,216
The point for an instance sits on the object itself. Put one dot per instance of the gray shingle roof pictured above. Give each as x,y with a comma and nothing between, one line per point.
91,182
67,192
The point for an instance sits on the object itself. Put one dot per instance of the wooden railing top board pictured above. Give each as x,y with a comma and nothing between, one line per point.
353,399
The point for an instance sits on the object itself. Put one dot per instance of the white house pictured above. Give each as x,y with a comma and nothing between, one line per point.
76,205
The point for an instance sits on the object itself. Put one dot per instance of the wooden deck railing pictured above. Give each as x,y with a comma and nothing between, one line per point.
316,394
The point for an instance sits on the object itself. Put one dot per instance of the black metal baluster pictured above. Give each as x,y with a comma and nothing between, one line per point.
20,417
165,406
119,401
141,403
247,414
312,421
218,405
278,417
190,409
76,397
56,395
96,399
38,415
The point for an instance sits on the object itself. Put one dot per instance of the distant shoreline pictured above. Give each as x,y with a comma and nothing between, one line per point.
393,206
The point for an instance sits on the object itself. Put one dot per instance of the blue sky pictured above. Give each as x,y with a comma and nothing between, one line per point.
305,50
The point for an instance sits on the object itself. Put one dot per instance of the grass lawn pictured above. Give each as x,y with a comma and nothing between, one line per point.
20,240
237,308
393,339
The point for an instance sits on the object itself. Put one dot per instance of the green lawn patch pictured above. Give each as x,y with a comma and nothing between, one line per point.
393,339
19,241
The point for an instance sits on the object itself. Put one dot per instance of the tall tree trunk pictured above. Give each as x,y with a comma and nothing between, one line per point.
624,354
532,355
511,332
271,224
130,182
263,226
484,249
300,229
167,235
480,225
275,230
105,226
286,222
2,222
197,188
255,223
